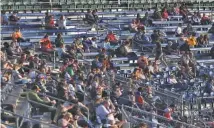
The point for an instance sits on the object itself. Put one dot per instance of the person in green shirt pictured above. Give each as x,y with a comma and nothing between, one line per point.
33,96
59,40
70,70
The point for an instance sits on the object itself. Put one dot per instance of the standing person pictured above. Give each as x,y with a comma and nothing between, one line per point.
62,22
59,40
4,18
159,54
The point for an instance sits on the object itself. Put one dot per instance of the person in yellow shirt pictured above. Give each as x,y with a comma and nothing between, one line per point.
192,41
17,36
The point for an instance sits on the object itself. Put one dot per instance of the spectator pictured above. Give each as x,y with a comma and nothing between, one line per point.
142,61
156,15
205,20
62,22
47,19
94,42
168,112
66,121
106,115
112,38
89,18
168,49
78,45
135,24
211,30
140,37
96,18
143,125
155,36
17,36
13,19
188,30
62,53
212,52
18,77
176,10
202,41
178,31
192,40
138,17
59,40
33,95
46,44
195,19
165,14
159,54
146,20
4,18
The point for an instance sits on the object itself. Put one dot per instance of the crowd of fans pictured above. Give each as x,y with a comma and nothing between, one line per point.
82,87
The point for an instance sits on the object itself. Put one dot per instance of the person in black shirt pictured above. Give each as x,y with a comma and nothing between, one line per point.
13,18
159,53
212,52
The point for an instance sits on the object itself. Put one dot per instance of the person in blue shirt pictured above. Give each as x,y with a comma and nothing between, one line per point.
140,37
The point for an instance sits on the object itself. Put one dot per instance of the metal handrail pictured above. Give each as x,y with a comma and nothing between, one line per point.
31,119
158,116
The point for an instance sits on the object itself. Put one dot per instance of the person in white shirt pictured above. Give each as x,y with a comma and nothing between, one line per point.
62,22
178,30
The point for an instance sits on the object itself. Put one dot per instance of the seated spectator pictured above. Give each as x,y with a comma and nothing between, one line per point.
178,31
124,49
155,36
195,19
176,10
61,22
184,12
205,20
46,44
211,30
138,17
142,61
9,50
18,77
135,24
66,121
168,50
192,40
33,96
212,52
140,37
78,45
146,20
51,23
59,40
89,18
17,36
202,41
112,38
13,19
104,112
168,112
62,53
165,14
94,42
188,30
156,14
4,18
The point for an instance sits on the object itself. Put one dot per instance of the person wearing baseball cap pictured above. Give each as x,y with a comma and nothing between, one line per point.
33,96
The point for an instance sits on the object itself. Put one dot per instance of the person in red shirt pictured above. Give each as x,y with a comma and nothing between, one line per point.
112,38
165,14
205,20
168,112
46,43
